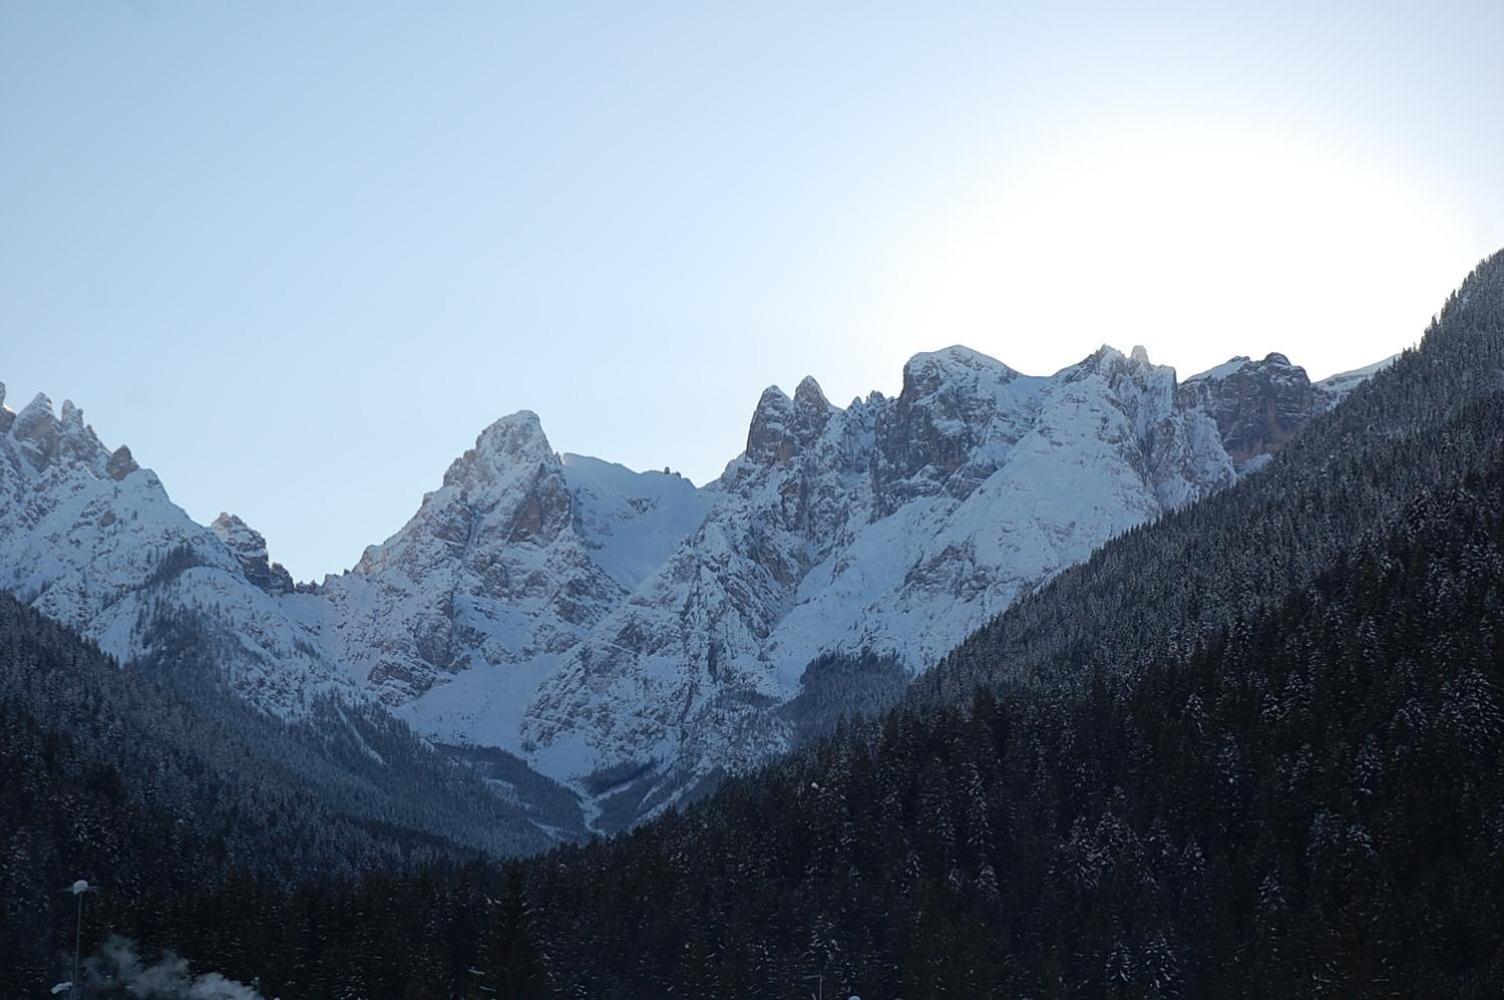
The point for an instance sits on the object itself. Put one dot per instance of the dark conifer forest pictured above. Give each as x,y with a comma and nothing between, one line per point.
1255,749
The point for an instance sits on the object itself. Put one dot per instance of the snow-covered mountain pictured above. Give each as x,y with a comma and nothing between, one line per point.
895,526
629,633
92,540
509,564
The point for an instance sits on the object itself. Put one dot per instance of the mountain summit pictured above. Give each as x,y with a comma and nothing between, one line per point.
628,633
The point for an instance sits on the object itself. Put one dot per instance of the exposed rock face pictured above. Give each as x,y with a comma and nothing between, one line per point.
37,432
626,631
249,549
1258,406
930,438
121,464
894,526
783,427
499,567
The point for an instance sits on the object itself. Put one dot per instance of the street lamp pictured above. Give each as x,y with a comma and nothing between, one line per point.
73,986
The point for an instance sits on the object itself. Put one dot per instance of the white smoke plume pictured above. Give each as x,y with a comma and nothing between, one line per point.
117,971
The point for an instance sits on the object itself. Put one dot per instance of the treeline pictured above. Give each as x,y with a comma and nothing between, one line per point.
1429,419
154,780
1310,804
1253,750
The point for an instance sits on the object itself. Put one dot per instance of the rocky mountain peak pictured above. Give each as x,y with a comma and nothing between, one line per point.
1258,406
782,427
46,438
1104,358
1110,362
35,423
592,618
96,543
514,442
518,434
249,549
809,394
508,488
952,401
121,464
956,367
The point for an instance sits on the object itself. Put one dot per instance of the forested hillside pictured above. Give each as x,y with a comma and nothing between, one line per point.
1309,803
1251,750
153,781
1255,749
1162,588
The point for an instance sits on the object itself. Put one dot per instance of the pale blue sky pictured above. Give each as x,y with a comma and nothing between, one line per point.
297,255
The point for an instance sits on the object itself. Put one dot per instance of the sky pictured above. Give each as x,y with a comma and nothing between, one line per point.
298,255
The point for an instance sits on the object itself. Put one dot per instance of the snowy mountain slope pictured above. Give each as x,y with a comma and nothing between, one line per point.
895,526
626,632
630,521
509,563
93,541
1336,387
516,554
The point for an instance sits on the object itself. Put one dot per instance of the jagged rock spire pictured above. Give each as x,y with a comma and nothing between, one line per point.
248,547
782,427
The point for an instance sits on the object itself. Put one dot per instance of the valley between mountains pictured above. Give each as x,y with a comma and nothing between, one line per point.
558,620
1249,745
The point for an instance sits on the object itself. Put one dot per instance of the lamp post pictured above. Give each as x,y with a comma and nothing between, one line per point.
75,988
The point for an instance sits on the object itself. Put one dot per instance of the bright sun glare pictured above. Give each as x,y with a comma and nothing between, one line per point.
1165,237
